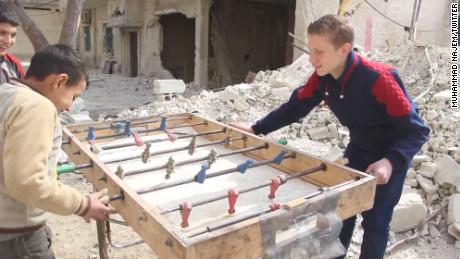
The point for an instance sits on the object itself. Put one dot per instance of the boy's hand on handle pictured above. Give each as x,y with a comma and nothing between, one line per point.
382,170
96,206
244,126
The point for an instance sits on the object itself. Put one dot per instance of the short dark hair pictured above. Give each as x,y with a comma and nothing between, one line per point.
57,59
7,15
338,29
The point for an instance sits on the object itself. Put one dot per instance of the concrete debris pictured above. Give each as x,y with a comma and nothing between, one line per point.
318,133
334,154
427,169
427,185
420,159
443,96
408,189
409,213
241,105
412,182
431,115
448,172
411,173
282,92
76,113
453,216
454,230
291,76
333,132
229,94
168,86
70,118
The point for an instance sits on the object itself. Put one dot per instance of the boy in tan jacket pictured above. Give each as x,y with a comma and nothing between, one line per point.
30,137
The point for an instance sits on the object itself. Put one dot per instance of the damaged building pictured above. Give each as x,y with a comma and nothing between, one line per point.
215,43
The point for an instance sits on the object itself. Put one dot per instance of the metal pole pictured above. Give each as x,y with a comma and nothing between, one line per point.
163,139
152,130
132,123
194,160
101,237
220,197
192,179
169,151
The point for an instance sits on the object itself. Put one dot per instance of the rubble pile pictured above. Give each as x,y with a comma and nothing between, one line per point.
430,203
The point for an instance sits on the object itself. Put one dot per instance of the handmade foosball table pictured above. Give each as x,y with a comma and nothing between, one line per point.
195,188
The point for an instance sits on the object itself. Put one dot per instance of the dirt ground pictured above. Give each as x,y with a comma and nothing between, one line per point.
74,238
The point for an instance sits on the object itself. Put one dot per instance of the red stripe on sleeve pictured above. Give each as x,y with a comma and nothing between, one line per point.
388,92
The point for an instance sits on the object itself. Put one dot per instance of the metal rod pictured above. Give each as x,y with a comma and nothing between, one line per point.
118,222
192,179
194,160
117,245
163,139
169,150
132,123
300,48
224,196
152,130
265,211
297,39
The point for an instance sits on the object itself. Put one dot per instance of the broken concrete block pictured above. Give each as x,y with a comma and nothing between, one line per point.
229,94
431,115
411,173
334,154
412,182
408,189
454,230
453,211
296,126
409,213
243,88
70,118
241,105
448,171
442,96
319,133
443,192
263,91
420,159
427,169
281,92
426,184
168,86
333,132
343,132
430,198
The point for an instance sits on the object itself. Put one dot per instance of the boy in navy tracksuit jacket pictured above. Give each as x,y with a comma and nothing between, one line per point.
370,100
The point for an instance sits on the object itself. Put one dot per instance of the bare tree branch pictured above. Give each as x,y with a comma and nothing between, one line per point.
34,34
72,22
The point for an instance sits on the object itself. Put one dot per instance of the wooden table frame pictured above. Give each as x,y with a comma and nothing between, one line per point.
244,239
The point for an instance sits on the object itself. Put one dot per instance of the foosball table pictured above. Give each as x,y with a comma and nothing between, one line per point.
195,188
